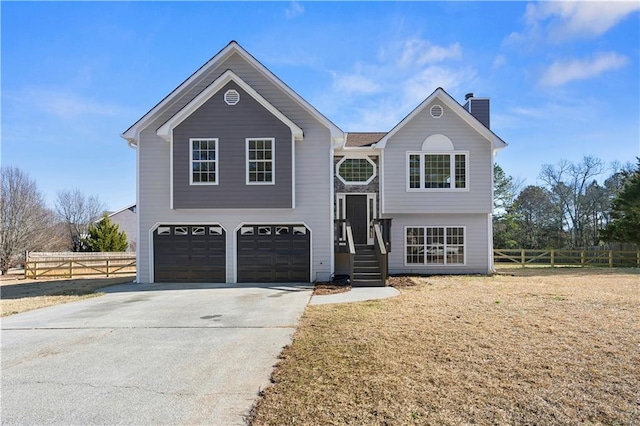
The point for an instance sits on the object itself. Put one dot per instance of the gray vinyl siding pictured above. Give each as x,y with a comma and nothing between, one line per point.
476,246
478,197
127,221
312,180
231,125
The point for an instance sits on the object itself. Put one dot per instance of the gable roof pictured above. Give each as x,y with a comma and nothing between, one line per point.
362,139
465,115
129,207
165,130
133,132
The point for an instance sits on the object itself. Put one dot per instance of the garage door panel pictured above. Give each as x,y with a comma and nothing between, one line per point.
188,253
272,253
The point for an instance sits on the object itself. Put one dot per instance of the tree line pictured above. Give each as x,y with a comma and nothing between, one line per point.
570,208
76,223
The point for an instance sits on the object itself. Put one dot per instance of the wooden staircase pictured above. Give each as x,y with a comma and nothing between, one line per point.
366,269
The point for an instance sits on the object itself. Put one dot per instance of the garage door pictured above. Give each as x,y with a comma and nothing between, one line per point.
274,253
189,253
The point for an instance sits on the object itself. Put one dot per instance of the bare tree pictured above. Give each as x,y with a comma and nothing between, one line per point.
539,219
25,221
568,183
78,211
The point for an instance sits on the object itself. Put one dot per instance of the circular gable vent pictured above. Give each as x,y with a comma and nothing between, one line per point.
231,97
436,111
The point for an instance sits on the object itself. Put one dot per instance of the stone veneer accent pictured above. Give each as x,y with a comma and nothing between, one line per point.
371,187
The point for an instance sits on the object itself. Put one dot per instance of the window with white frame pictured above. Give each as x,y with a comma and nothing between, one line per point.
426,171
434,245
356,171
260,161
203,161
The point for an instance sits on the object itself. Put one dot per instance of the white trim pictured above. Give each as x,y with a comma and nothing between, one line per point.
372,213
177,223
490,243
431,265
381,183
170,173
293,172
441,111
270,223
132,134
358,150
458,109
118,211
332,213
490,218
166,129
138,215
356,157
273,161
437,142
452,170
231,97
216,162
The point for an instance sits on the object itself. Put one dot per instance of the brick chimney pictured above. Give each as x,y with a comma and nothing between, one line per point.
478,107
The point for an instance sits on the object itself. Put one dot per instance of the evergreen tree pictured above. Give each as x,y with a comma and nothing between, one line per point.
506,225
625,212
106,236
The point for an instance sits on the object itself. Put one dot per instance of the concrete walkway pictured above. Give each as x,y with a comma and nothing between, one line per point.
140,355
356,294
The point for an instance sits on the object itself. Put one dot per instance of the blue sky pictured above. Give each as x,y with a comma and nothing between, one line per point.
563,78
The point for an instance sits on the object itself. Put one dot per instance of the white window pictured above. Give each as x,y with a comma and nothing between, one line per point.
356,171
433,245
437,171
260,161
203,155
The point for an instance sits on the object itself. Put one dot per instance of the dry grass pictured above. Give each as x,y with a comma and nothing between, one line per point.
527,346
21,295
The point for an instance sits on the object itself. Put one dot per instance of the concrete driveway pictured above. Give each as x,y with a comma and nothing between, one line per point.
147,354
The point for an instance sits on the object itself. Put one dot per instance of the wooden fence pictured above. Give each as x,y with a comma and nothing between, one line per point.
557,257
70,264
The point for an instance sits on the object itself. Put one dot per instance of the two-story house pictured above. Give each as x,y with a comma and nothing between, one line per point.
239,179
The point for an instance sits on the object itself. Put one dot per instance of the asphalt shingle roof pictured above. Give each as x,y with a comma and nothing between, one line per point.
362,139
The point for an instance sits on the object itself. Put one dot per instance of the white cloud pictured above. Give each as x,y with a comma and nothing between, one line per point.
62,104
381,92
562,72
294,9
420,52
499,62
419,86
562,20
354,84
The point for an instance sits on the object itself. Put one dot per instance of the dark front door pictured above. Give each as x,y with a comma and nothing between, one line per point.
357,216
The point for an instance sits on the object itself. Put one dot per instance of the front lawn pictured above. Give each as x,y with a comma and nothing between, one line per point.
527,346
20,295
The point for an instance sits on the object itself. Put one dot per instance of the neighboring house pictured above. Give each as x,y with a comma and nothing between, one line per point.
242,180
127,221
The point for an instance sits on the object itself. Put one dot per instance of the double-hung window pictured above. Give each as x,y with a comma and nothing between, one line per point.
260,161
434,245
437,171
203,154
